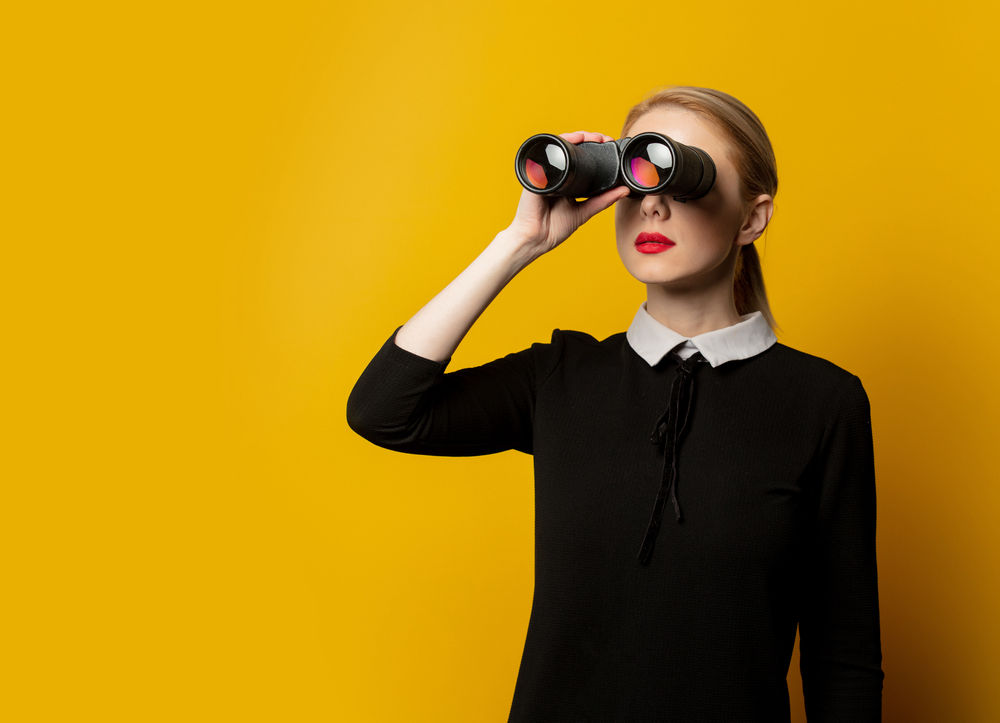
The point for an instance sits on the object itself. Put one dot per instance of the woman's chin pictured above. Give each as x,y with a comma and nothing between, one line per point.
662,276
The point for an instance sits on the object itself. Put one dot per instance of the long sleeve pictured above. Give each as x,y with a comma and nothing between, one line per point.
407,403
839,631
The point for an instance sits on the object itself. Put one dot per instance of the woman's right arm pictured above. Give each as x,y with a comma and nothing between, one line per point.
539,225
404,400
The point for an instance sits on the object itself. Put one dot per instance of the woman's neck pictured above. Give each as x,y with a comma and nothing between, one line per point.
692,312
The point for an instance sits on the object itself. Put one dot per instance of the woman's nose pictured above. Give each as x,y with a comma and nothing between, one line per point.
655,205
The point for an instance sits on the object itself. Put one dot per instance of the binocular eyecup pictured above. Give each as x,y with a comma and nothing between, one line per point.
648,163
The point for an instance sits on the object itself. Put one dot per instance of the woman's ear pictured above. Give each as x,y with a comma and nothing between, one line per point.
757,218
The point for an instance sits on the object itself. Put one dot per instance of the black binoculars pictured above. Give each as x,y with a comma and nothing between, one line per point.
648,163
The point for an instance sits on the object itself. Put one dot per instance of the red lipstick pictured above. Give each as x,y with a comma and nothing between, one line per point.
649,242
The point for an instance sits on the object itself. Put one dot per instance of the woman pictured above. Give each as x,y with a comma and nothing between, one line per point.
645,610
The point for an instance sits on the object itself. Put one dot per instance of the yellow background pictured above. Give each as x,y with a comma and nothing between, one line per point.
213,216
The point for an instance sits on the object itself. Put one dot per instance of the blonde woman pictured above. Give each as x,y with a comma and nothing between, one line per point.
702,490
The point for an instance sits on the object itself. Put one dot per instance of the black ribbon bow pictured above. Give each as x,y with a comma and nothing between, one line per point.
668,430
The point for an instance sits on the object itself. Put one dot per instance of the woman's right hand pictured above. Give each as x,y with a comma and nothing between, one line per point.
543,222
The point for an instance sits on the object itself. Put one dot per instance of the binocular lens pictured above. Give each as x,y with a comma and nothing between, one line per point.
651,163
545,164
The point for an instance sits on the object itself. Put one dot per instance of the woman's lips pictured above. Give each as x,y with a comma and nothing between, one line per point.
652,243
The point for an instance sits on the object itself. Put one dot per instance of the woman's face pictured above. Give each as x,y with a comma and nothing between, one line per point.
706,232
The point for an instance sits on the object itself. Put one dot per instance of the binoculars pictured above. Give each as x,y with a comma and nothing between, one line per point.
648,163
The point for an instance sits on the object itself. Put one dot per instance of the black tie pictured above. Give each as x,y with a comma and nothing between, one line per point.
668,431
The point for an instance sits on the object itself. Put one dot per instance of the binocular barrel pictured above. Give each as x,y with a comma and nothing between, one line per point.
649,163
547,164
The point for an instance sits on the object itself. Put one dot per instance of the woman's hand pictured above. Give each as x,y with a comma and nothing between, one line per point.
543,222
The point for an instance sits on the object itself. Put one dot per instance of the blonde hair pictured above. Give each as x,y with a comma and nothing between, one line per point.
753,157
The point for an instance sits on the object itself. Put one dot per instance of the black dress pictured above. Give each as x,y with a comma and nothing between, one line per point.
679,540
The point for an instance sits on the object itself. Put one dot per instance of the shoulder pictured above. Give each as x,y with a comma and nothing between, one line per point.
574,350
814,376
580,344
805,363
583,340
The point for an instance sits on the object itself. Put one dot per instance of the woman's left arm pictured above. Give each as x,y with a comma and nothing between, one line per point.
840,647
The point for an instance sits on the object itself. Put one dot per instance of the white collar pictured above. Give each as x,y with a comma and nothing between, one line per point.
652,340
